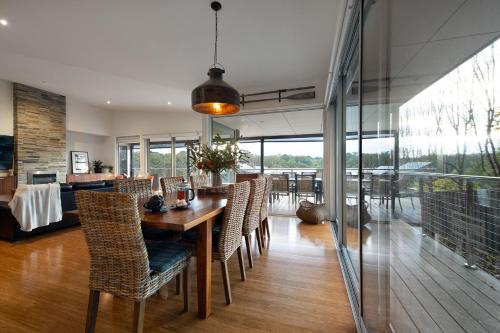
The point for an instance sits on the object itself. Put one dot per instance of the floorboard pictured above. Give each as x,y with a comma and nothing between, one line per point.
296,286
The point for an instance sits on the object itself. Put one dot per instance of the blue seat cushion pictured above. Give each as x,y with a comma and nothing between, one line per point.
190,235
160,234
163,256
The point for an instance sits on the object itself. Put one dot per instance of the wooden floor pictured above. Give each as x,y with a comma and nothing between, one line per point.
296,286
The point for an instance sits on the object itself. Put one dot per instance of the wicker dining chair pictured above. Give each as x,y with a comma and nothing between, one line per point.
231,232
281,186
142,187
198,181
264,210
305,186
121,263
169,184
227,236
252,220
242,177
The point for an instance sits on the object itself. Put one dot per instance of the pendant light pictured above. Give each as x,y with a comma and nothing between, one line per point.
214,96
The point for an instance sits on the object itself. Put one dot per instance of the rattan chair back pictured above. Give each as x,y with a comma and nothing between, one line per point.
198,181
304,183
232,225
265,198
141,187
169,184
252,214
242,177
281,183
118,256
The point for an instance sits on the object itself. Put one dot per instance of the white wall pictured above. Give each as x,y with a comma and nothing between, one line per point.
95,145
126,123
6,108
85,118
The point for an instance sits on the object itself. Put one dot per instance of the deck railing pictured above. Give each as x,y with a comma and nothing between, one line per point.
290,171
461,212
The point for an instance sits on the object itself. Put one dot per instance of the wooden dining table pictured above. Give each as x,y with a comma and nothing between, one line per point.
203,211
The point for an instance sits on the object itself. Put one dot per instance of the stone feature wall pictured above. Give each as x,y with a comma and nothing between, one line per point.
39,132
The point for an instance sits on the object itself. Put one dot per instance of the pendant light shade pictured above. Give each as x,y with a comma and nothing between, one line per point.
214,96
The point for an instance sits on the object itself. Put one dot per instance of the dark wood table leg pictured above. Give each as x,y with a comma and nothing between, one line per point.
204,268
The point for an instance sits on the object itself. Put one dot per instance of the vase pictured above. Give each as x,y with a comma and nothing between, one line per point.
216,179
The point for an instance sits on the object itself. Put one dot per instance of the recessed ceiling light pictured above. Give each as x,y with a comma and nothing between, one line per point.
169,103
108,102
4,22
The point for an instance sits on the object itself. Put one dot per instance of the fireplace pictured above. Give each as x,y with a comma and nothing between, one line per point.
42,177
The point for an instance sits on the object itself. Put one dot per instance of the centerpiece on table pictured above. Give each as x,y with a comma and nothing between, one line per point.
222,155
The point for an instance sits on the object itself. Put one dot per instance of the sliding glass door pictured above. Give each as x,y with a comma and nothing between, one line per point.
419,215
349,220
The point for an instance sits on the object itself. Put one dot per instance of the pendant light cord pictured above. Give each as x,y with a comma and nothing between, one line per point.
216,38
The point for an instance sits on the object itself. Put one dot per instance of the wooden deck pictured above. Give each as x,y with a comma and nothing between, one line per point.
431,290
296,286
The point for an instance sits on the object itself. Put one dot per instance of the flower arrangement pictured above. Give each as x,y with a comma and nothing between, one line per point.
222,155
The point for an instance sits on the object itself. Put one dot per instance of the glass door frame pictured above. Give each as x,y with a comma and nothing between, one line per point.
352,40
353,48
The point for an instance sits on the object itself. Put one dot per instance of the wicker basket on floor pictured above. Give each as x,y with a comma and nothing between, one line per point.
312,213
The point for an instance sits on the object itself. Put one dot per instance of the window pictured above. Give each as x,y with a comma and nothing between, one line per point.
159,161
123,159
293,156
129,156
135,161
182,161
254,149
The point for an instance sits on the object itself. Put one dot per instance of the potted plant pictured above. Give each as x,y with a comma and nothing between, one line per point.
97,164
222,155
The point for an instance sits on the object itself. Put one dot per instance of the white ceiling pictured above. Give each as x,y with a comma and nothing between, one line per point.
141,54
422,50
276,123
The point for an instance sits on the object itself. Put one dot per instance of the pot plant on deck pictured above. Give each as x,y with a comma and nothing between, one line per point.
222,155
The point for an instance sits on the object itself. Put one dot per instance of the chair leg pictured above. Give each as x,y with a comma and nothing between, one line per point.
249,251
178,284
266,225
400,206
186,286
225,280
258,235
93,306
139,307
242,265
262,235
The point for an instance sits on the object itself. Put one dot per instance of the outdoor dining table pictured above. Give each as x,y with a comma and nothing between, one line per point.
204,210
